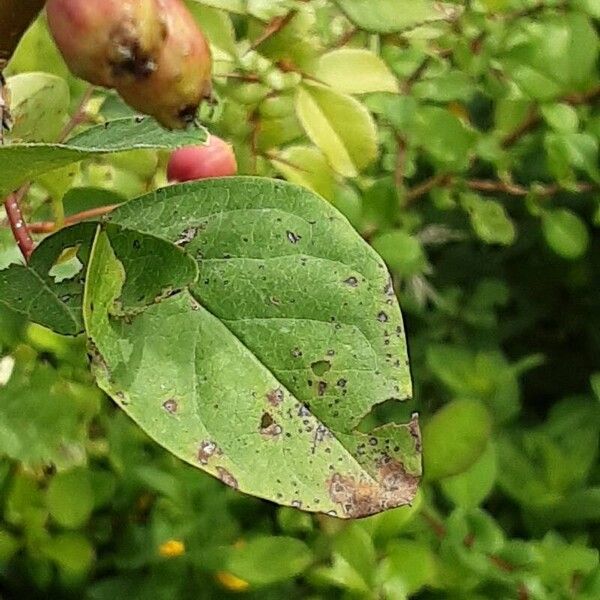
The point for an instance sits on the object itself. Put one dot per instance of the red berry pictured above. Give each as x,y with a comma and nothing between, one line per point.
216,159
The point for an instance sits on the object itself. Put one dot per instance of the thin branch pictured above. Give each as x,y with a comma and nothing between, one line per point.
273,27
515,189
20,230
534,118
18,225
439,180
345,38
78,116
275,158
92,213
400,163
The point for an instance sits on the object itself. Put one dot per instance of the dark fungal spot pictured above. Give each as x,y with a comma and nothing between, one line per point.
292,237
227,478
351,281
137,244
266,421
321,388
342,383
186,236
382,317
393,486
170,406
268,427
296,353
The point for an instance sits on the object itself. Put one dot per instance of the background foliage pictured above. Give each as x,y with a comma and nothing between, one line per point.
461,140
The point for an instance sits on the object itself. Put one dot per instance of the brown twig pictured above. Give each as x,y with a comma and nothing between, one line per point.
515,189
92,213
439,529
274,157
79,114
21,231
273,27
18,225
439,180
497,187
344,38
400,163
533,119
241,76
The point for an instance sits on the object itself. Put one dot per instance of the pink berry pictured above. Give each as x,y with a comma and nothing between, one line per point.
216,159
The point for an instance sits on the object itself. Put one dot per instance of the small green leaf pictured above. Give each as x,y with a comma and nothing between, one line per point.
401,251
565,233
72,552
20,163
340,126
408,565
307,166
455,438
33,290
39,103
70,498
443,136
269,559
388,16
356,71
489,220
470,488
561,117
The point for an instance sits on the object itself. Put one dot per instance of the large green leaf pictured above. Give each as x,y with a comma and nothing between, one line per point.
259,371
20,163
387,16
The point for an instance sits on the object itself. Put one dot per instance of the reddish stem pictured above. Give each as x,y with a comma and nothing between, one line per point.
18,225
50,226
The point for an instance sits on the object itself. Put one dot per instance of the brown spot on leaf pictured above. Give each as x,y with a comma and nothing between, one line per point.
275,397
391,487
227,478
170,406
351,281
292,237
206,450
321,388
268,427
186,236
415,431
382,317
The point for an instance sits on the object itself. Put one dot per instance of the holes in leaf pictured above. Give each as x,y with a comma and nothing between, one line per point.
320,367
67,265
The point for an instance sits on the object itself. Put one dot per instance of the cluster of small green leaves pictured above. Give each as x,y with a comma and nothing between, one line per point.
460,140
